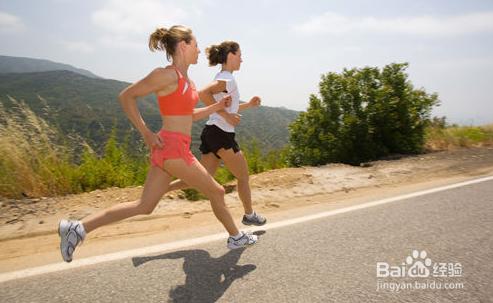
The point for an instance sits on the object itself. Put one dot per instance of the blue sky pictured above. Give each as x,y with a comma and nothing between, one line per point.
286,45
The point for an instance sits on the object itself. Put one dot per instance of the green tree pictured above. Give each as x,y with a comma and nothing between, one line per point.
360,115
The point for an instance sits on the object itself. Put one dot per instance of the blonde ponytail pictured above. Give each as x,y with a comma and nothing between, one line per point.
163,39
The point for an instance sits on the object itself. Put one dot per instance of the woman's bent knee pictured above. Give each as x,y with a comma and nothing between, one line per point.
146,211
216,192
219,190
143,209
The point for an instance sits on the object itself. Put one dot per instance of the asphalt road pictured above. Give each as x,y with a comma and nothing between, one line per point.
331,259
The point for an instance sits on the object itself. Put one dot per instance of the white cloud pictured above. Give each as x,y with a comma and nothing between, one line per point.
78,46
10,23
333,23
123,41
125,22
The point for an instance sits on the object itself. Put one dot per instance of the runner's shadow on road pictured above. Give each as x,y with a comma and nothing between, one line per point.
207,278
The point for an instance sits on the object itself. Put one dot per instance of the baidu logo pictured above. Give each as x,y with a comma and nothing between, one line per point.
422,270
418,265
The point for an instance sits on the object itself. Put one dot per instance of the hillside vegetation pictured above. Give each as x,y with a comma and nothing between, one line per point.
62,132
89,107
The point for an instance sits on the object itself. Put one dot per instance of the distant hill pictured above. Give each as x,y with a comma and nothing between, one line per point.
89,107
10,64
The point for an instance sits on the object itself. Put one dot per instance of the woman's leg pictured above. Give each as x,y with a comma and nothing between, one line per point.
152,193
197,176
237,165
209,161
72,233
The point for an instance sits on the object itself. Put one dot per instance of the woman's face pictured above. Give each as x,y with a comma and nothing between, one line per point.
235,60
191,51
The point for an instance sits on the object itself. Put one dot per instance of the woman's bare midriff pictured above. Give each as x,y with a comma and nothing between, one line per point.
181,124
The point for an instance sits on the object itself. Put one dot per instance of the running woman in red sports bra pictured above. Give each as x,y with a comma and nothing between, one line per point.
170,147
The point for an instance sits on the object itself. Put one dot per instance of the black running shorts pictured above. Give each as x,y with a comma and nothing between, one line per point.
213,139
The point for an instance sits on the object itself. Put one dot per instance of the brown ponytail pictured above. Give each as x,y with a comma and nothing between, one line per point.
218,54
166,39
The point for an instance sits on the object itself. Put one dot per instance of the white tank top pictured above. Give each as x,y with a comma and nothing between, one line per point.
231,89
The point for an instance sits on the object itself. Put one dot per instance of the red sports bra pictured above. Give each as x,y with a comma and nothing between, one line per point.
181,102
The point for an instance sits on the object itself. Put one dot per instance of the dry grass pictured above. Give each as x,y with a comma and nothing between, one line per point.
439,138
32,162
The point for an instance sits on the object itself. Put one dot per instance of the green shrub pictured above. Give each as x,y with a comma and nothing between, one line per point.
360,115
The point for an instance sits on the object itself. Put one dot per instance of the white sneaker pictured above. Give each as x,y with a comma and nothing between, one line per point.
255,219
246,239
71,233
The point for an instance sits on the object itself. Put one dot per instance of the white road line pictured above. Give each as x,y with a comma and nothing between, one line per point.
221,236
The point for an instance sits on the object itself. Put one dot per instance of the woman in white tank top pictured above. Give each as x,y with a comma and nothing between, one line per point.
218,136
